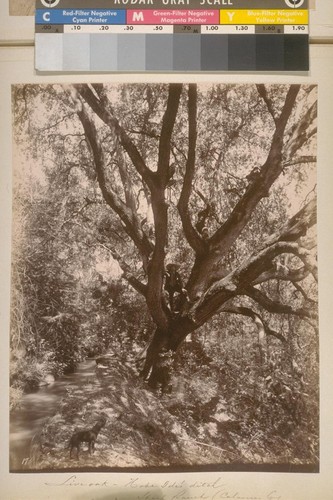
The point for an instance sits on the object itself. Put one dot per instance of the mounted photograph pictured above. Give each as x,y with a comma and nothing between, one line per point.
164,305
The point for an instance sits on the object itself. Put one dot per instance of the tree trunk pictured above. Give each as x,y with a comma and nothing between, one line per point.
262,342
160,353
159,342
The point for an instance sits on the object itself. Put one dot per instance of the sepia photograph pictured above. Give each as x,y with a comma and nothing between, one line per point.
164,312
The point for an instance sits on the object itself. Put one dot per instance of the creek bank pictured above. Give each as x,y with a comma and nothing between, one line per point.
140,431
34,409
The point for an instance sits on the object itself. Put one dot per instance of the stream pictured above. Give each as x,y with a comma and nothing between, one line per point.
27,420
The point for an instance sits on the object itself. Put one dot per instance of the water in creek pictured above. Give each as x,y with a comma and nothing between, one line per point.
27,420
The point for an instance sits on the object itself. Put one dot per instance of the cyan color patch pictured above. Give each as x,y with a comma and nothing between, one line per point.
186,52
132,52
76,52
214,52
159,52
104,52
49,52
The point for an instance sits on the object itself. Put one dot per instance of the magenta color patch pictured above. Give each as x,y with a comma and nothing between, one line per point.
173,16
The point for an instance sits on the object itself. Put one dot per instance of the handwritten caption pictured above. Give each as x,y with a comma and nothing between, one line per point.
138,488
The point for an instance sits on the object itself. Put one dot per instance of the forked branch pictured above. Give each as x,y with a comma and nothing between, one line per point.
259,187
110,196
101,108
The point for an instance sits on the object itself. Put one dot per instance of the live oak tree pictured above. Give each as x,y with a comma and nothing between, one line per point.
200,177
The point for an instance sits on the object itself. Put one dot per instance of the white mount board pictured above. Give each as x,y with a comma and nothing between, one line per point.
16,66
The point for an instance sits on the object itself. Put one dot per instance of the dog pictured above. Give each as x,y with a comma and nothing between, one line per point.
86,436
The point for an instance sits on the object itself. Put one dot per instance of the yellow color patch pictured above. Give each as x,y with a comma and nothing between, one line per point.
264,16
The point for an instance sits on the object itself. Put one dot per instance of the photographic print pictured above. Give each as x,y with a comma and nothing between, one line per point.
21,7
164,278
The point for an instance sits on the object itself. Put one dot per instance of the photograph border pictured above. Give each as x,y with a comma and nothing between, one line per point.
298,451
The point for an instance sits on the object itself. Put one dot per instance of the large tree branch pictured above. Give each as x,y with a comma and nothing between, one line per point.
263,94
135,283
126,181
257,264
193,238
237,281
127,273
259,187
168,124
246,311
304,294
275,274
302,131
242,277
295,229
299,161
297,226
125,268
102,109
273,306
112,199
